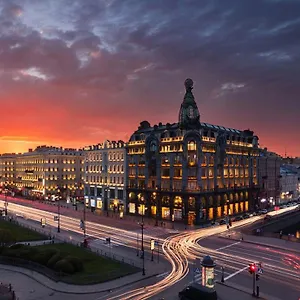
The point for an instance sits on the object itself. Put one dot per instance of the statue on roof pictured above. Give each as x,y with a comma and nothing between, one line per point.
189,117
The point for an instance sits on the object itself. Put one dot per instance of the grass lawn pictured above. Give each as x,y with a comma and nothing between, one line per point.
21,234
96,268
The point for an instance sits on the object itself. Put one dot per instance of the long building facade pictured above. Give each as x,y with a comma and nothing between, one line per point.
105,176
46,171
191,171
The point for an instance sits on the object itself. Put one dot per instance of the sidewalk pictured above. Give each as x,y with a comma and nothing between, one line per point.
227,291
262,241
83,289
113,219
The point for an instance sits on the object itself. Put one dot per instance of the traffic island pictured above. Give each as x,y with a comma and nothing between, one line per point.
66,263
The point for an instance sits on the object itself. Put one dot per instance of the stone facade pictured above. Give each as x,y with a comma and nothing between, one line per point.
105,176
7,168
191,171
269,178
46,169
290,183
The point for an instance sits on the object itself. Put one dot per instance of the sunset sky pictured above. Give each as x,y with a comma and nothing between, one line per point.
77,72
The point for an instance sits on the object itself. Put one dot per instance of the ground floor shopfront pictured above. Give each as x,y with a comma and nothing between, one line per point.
189,208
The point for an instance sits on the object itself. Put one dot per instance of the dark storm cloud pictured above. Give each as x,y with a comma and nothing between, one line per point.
244,56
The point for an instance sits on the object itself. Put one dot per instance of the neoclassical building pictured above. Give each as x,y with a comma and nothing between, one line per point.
190,171
105,176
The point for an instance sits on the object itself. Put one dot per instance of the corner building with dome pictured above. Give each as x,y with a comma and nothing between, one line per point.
189,171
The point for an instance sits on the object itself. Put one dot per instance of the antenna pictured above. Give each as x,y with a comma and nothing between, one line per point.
284,152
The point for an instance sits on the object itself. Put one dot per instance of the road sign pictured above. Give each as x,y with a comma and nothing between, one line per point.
260,271
55,218
156,243
197,271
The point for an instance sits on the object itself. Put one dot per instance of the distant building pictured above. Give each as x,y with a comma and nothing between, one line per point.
7,169
190,171
105,176
290,182
46,171
269,178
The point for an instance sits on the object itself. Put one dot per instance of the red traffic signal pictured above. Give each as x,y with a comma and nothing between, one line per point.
252,268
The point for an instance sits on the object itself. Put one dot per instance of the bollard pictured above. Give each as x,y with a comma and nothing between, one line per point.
257,291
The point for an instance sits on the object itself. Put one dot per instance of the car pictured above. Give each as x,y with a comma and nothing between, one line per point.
246,216
268,218
196,291
262,212
237,218
222,222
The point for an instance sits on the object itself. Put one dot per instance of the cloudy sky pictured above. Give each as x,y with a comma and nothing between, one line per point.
76,72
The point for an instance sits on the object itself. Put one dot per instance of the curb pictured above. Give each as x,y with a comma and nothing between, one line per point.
78,293
240,289
260,244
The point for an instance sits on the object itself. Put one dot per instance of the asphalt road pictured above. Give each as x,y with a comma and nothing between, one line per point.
281,269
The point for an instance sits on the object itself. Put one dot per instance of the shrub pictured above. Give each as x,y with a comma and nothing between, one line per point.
17,246
75,262
64,266
6,236
27,252
53,260
42,257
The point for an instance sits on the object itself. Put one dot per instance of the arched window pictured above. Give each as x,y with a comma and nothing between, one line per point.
192,146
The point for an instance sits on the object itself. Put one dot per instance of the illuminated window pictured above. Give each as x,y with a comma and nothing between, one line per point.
192,146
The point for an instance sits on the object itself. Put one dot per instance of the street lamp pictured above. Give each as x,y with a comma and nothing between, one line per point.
84,218
58,211
106,201
142,227
5,198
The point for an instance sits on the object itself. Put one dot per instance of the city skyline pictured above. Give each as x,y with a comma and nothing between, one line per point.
75,73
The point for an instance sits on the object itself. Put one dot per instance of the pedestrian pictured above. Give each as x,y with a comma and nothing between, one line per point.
280,234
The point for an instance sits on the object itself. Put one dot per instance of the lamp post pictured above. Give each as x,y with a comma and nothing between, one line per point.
5,198
58,211
106,201
142,227
84,219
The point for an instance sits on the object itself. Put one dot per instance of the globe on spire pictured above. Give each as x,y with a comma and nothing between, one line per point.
189,117
188,84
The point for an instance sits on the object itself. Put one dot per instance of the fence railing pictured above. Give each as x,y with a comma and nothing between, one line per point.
109,253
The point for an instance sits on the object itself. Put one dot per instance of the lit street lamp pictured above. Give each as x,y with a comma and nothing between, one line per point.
142,227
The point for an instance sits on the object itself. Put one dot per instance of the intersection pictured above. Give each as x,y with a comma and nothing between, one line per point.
280,268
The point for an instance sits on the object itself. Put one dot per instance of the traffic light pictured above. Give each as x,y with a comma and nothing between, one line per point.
251,268
257,277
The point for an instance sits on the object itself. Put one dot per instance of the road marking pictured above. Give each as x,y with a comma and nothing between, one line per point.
228,246
235,273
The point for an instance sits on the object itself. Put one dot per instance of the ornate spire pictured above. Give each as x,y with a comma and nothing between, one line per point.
189,117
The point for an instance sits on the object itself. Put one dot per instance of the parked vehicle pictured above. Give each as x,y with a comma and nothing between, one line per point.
222,222
196,292
268,218
262,212
238,218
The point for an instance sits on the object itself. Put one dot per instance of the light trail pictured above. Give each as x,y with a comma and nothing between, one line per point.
178,249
